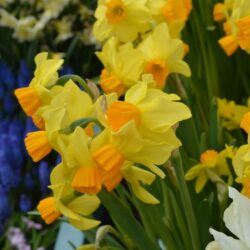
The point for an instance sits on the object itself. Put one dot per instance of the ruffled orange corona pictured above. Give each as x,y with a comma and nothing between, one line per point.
111,83
39,122
229,44
115,11
209,156
119,113
159,70
87,180
28,99
46,208
245,122
177,10
37,145
110,160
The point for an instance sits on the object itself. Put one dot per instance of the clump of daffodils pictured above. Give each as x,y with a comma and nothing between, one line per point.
140,37
101,140
235,16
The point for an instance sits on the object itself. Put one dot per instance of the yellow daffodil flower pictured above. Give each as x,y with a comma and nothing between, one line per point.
174,12
69,104
107,159
66,202
118,75
163,55
236,26
123,19
31,98
153,112
231,114
211,163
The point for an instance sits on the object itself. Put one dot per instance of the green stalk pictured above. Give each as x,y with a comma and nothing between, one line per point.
126,220
187,204
63,79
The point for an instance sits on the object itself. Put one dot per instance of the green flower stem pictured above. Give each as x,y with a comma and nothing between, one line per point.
187,204
63,79
83,123
121,215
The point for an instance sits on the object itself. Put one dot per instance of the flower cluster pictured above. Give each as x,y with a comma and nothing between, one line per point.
101,140
236,24
141,38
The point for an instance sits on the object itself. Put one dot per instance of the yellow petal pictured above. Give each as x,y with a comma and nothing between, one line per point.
85,204
200,182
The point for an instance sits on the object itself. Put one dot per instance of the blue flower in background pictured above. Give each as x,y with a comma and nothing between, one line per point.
25,203
7,77
24,75
44,174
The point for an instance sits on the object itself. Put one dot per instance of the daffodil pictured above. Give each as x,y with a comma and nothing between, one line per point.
106,160
174,12
236,218
38,92
231,113
153,112
236,27
241,164
163,55
212,165
69,104
123,66
123,19
64,201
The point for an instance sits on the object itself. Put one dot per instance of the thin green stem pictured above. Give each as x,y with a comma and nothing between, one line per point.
63,79
185,197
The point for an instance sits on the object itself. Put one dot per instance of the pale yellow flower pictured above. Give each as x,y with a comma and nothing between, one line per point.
124,19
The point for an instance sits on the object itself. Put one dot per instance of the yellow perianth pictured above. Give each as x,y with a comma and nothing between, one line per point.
121,112
37,145
39,122
115,11
159,70
28,99
111,83
110,161
229,44
245,122
46,208
87,180
177,10
219,12
208,156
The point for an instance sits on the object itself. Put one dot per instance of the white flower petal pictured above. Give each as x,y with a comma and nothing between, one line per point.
227,243
236,216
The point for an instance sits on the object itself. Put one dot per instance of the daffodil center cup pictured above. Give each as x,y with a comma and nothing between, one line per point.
110,160
111,83
120,112
158,68
209,157
115,11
